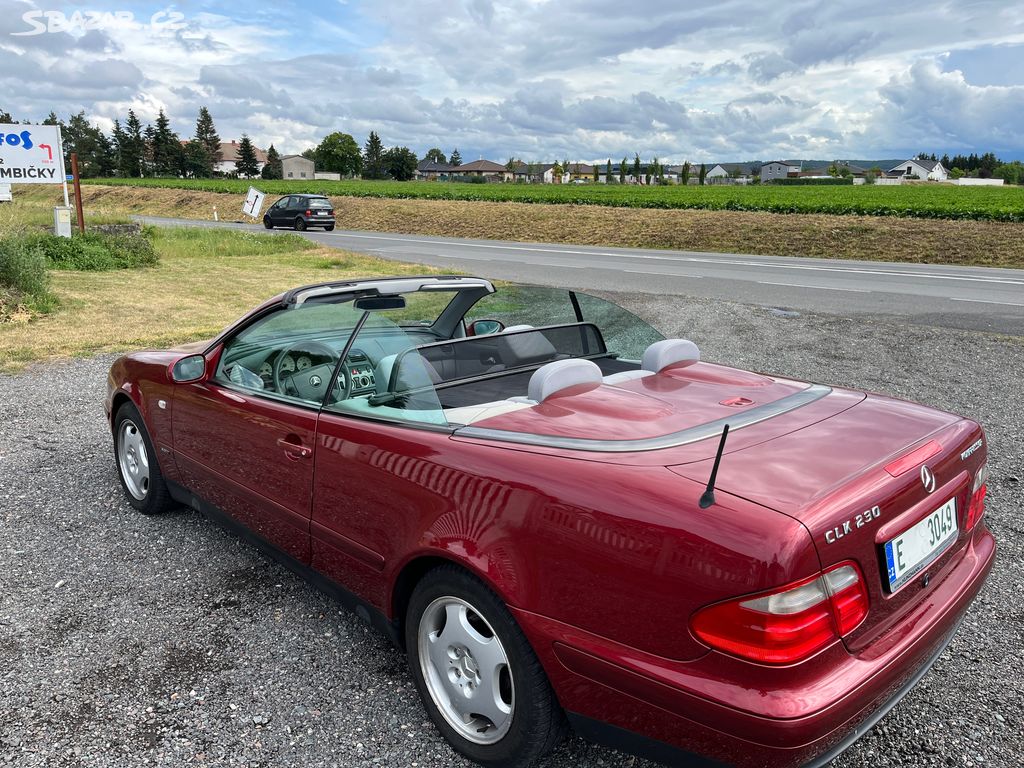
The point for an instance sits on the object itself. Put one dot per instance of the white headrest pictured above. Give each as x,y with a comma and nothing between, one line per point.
669,353
514,328
554,377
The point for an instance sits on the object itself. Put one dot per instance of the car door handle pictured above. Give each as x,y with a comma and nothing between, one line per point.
294,451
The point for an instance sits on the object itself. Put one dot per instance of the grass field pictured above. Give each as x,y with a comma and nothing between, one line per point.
925,200
205,280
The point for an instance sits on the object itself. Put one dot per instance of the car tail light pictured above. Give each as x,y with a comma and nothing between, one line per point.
791,623
976,507
330,212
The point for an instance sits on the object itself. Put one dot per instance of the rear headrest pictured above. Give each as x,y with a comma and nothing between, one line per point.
669,353
560,375
523,348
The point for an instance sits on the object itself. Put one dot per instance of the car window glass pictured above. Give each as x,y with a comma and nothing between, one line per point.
291,354
372,386
318,202
625,334
524,305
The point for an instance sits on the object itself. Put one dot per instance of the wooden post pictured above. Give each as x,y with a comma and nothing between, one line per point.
78,192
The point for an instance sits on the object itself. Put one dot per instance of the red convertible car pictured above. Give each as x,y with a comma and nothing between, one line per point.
565,519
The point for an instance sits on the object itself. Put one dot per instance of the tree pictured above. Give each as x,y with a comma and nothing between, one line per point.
247,164
131,148
597,173
96,157
52,119
456,158
435,155
167,151
684,174
608,170
702,175
272,168
636,167
622,171
511,165
400,163
373,158
197,160
5,117
206,134
338,153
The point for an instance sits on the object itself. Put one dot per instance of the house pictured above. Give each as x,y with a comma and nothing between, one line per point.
486,169
932,170
433,170
727,173
534,173
228,163
778,169
296,167
670,173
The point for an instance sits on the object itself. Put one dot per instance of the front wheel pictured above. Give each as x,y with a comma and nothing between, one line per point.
137,465
300,224
479,679
267,223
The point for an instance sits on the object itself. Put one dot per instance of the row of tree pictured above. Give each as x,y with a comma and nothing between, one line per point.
985,166
339,153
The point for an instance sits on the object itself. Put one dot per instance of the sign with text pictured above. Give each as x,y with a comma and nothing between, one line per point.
30,154
253,203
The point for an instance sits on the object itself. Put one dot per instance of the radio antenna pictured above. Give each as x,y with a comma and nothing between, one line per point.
708,497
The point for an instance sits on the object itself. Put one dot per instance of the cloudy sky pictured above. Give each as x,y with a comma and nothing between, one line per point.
538,79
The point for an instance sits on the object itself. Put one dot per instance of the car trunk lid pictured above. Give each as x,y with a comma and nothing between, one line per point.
832,476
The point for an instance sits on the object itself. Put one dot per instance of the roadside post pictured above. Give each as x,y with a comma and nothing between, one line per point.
33,154
5,193
76,180
253,203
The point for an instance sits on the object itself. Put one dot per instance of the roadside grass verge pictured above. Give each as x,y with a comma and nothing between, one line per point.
204,280
867,238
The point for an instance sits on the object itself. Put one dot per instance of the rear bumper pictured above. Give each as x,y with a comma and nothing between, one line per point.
317,221
721,711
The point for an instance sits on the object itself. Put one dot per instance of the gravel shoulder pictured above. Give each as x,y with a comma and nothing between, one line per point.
127,640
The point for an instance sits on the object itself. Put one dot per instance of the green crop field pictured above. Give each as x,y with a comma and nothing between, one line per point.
928,201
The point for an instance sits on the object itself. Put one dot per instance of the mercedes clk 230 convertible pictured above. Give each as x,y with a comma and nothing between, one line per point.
565,519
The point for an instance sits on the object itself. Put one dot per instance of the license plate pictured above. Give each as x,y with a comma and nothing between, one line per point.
321,213
913,550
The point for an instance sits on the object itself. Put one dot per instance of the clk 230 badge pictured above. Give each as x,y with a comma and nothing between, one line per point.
831,537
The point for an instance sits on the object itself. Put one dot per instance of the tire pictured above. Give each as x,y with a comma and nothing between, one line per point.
329,228
267,223
137,465
496,678
300,224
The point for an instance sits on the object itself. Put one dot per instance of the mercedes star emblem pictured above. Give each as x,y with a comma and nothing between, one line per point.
927,478
315,381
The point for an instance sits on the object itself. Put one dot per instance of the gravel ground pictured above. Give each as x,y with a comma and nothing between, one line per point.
128,641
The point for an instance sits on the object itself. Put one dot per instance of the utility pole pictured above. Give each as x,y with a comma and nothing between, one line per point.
76,181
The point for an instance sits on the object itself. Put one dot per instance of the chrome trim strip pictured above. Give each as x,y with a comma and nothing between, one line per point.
748,418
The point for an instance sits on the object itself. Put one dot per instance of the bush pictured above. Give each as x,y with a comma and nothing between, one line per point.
808,182
94,251
23,280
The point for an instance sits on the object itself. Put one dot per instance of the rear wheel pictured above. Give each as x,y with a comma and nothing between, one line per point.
140,474
300,224
479,679
329,228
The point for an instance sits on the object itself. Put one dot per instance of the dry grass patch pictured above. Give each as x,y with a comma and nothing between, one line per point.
205,280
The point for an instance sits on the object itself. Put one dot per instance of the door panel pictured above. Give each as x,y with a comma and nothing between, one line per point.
243,454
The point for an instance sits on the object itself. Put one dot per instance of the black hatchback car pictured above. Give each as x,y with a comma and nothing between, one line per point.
299,212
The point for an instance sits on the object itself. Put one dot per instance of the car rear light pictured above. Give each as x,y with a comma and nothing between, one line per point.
976,507
330,212
791,623
908,461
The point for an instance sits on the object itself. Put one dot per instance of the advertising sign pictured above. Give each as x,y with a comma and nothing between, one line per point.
30,154
253,203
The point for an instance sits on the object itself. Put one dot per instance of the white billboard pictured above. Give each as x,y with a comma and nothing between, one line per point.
253,203
30,154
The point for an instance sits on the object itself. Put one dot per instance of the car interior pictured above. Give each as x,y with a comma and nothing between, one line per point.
441,371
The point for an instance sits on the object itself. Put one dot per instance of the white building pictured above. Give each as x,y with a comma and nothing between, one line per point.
229,158
932,170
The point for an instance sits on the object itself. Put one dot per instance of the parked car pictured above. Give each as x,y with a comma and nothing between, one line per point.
564,518
300,212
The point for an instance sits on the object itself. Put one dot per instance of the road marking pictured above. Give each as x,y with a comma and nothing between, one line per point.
815,287
984,301
659,274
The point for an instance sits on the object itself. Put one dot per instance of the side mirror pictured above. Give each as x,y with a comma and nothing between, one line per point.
485,327
191,368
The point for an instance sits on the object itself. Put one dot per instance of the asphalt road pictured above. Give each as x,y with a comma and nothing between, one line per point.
128,640
971,298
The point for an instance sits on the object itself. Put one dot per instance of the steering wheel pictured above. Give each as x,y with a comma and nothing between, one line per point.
310,383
